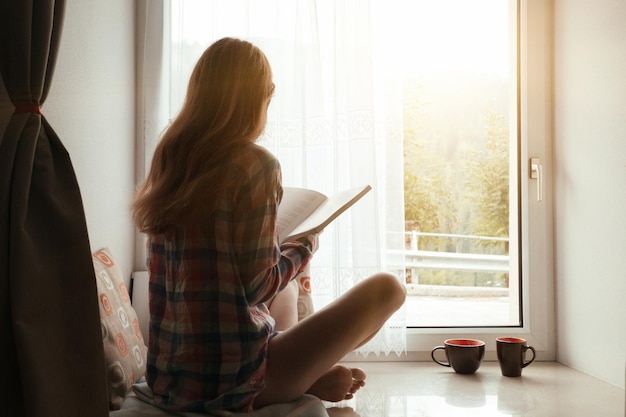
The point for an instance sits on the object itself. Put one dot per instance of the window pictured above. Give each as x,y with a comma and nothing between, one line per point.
531,236
460,158
355,102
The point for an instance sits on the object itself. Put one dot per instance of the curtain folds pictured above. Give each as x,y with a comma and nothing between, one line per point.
335,122
52,362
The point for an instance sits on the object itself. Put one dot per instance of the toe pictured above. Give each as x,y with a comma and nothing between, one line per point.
358,374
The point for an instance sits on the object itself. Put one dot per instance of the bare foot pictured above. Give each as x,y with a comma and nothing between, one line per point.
338,384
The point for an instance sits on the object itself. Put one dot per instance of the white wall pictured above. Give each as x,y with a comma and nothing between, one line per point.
91,106
590,185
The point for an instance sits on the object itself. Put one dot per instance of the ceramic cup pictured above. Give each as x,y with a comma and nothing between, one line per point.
462,355
512,355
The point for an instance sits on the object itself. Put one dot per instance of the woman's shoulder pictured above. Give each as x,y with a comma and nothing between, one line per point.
256,156
258,150
256,168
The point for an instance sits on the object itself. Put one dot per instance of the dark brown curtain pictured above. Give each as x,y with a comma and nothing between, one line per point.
51,358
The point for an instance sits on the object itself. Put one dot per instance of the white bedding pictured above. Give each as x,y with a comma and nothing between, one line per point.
305,406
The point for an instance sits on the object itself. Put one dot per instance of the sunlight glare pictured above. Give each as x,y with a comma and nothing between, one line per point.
426,35
445,35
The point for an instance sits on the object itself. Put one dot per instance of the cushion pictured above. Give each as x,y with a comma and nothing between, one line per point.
124,347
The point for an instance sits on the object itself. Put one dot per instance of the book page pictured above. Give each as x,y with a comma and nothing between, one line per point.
296,205
318,219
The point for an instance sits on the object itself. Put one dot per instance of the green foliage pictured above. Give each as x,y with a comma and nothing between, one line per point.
427,198
456,177
460,278
488,180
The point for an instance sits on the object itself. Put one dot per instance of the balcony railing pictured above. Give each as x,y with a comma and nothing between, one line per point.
439,305
417,258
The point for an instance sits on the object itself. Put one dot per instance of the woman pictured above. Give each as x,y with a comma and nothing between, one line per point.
209,207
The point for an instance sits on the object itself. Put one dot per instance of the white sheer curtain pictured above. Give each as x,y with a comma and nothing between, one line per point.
335,121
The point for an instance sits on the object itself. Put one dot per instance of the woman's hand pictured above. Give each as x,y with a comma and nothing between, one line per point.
310,241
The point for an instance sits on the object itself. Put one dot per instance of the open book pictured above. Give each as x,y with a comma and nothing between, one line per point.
303,212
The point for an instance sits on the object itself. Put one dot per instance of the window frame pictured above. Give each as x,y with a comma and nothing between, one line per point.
534,112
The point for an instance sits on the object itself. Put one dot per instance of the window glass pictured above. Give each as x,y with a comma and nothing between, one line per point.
458,68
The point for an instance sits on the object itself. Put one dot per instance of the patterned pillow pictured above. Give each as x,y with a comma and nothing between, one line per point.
124,348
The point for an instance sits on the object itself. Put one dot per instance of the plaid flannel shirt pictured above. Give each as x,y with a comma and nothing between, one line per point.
209,326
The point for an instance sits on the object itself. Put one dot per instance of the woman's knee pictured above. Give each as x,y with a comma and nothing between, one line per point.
387,290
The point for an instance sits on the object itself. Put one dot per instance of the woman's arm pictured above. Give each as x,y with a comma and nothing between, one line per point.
265,267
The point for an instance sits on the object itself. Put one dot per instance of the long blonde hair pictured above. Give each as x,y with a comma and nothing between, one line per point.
225,108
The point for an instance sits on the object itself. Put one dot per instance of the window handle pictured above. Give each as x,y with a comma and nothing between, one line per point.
536,173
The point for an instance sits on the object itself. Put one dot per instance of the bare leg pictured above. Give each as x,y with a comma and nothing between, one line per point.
303,358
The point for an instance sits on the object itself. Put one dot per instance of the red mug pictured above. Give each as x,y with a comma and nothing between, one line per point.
463,355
